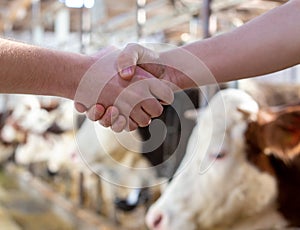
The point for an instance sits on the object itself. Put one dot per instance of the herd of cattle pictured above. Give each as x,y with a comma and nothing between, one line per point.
241,168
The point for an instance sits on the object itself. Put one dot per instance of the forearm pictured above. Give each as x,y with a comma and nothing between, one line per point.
266,44
35,70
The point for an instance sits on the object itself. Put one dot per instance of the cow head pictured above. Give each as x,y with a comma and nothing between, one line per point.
215,185
277,131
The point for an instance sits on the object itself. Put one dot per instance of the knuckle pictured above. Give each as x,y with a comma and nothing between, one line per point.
123,60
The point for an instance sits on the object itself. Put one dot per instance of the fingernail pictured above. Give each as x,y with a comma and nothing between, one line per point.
114,113
80,107
126,72
99,107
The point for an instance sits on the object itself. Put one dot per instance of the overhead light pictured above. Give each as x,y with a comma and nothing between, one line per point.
141,16
88,3
185,37
141,2
79,3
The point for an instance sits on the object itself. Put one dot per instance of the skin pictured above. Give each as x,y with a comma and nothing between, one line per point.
266,44
27,69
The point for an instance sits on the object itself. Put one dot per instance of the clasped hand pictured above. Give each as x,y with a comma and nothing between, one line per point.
117,102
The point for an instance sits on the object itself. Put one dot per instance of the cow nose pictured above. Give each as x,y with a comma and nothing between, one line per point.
156,221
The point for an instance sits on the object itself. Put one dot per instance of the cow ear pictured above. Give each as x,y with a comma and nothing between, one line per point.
283,135
248,114
265,116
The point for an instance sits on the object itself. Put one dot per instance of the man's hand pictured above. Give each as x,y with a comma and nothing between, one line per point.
129,103
135,55
177,67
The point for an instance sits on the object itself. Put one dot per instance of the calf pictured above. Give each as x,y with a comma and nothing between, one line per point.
226,180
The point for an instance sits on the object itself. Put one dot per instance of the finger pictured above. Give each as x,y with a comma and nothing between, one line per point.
110,116
127,61
131,56
124,121
119,125
152,107
161,91
132,125
140,117
80,107
95,112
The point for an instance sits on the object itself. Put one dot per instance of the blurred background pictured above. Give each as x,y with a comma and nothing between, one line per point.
54,192
85,25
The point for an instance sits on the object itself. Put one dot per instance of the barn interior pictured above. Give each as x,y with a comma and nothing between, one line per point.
47,181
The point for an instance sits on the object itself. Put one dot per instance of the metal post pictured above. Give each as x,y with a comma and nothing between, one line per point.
208,91
81,31
81,190
62,26
37,29
85,28
140,17
206,13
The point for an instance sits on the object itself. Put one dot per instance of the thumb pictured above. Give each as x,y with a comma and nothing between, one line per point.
127,61
133,55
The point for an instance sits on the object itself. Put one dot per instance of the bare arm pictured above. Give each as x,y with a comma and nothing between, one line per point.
35,70
266,44
91,81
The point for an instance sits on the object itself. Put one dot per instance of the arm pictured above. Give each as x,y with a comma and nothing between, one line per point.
136,99
34,70
88,80
266,44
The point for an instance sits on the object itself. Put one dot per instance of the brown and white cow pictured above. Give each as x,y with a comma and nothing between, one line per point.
273,145
227,180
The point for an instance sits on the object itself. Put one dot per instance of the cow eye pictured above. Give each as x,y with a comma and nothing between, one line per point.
219,155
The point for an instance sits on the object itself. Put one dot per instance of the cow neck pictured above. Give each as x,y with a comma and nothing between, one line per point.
288,180
287,174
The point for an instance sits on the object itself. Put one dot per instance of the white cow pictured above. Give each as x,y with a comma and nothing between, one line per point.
215,186
28,125
113,156
95,143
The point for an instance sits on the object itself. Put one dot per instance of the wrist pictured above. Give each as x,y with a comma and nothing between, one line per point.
184,69
79,65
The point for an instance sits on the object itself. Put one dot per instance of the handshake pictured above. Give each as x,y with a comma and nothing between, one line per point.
125,89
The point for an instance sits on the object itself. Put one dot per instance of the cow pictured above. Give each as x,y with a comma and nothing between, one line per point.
233,175
102,157
38,126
